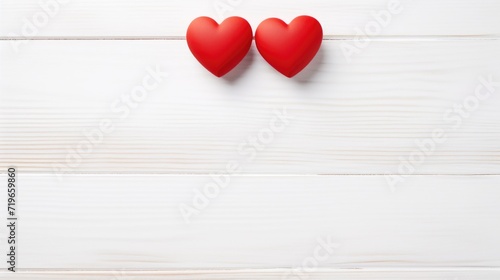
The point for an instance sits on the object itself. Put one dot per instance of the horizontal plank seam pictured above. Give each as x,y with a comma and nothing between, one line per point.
250,270
159,174
325,38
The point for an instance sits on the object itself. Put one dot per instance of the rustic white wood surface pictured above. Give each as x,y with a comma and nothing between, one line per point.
153,18
358,117
269,274
113,222
355,119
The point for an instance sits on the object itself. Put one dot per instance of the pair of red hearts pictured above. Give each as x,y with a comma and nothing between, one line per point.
288,48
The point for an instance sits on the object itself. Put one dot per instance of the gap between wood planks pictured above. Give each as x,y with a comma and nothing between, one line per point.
160,174
325,38
258,270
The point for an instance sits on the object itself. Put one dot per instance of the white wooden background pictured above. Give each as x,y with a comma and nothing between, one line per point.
115,214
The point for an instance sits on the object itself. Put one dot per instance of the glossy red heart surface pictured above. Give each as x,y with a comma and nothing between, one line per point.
219,48
289,48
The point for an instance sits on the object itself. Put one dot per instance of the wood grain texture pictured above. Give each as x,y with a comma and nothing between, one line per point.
361,116
110,222
351,116
154,18
265,274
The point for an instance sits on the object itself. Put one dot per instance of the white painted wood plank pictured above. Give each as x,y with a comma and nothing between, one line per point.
110,222
118,18
269,274
362,116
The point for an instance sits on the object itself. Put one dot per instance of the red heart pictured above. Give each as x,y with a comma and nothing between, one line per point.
219,48
289,48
